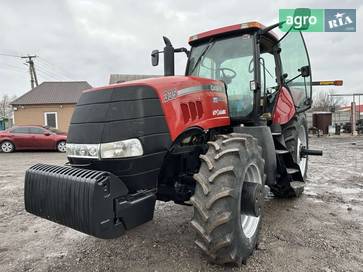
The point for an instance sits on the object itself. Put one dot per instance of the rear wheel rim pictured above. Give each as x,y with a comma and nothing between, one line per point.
62,146
301,143
250,223
7,147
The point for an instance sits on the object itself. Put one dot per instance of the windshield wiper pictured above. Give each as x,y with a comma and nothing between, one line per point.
201,56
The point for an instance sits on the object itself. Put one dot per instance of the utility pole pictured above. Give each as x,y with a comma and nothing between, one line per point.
33,75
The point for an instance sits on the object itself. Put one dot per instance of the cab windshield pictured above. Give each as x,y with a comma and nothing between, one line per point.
231,61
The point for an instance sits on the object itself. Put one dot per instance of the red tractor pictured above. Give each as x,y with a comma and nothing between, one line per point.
211,139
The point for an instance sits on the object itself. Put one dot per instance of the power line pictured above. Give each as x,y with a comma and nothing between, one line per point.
53,67
12,66
46,70
10,55
46,74
13,70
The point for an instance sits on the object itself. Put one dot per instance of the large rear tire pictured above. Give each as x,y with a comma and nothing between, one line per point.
225,233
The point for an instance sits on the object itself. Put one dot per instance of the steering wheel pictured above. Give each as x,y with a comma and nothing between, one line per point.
228,78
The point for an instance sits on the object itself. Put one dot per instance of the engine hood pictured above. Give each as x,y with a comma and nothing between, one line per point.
155,111
170,83
148,107
186,101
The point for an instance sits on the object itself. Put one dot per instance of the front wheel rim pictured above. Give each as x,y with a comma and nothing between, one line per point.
7,147
62,146
250,223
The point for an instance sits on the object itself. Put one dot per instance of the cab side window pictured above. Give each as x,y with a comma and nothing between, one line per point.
268,72
207,68
239,92
295,60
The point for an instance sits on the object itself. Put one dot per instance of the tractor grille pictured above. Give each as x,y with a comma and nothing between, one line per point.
116,114
121,113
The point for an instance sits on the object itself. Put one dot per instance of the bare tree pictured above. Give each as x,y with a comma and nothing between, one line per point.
323,101
5,107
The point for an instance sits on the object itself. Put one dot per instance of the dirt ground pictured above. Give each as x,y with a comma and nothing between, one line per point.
321,231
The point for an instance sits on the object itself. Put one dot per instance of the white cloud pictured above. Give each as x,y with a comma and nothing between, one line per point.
88,40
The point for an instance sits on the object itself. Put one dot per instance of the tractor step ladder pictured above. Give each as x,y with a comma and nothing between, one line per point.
289,178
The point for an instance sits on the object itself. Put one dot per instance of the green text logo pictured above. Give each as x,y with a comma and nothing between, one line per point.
302,19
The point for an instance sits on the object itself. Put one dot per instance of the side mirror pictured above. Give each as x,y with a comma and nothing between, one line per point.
155,57
46,133
305,71
169,52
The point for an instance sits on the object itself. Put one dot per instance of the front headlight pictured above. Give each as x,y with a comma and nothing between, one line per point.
121,149
83,150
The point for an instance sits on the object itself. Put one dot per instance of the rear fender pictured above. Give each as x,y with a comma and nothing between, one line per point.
265,140
284,109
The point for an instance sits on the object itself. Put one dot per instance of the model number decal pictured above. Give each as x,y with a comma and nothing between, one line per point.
219,112
170,95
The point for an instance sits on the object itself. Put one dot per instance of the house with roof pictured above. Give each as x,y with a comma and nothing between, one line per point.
50,104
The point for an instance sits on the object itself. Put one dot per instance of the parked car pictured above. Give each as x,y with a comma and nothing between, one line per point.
32,138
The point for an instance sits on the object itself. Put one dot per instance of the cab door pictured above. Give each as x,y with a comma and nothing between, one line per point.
296,70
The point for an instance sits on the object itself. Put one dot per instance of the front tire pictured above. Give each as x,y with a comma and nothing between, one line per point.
61,146
7,147
225,233
295,134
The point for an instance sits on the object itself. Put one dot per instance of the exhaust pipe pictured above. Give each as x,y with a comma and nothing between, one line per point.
169,66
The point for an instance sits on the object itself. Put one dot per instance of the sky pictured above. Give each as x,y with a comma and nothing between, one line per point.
89,40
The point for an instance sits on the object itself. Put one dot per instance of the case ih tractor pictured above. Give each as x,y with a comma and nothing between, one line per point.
211,139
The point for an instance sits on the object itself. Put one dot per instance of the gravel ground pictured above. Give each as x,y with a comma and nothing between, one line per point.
321,231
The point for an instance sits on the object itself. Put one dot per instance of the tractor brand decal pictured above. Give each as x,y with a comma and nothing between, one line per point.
207,87
219,112
172,94
217,99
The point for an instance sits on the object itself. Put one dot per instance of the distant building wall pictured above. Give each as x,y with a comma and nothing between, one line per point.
338,117
35,115
341,117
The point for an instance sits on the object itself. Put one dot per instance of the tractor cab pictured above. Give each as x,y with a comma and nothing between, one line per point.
254,66
257,69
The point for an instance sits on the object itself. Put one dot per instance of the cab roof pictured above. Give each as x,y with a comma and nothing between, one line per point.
227,30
